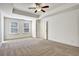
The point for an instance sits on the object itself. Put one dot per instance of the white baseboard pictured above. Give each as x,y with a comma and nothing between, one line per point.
74,45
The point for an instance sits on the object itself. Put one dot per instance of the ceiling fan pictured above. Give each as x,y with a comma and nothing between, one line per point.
39,7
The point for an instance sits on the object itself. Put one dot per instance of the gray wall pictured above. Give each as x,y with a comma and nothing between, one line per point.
63,27
20,34
0,27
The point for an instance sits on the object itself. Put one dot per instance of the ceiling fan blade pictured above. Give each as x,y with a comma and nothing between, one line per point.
42,10
45,7
32,7
35,11
38,3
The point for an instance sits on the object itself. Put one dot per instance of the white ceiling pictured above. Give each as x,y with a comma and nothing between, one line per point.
25,6
22,8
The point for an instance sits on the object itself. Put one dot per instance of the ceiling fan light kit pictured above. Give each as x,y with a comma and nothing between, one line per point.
38,8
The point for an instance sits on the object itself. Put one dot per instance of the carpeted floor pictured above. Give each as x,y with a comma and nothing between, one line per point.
37,47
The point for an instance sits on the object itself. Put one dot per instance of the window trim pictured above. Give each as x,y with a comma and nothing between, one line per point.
26,27
15,27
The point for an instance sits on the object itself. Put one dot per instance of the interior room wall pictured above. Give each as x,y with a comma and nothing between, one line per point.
6,11
0,27
20,34
63,27
34,28
43,29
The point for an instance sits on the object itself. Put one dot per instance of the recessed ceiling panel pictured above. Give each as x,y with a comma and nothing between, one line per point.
16,11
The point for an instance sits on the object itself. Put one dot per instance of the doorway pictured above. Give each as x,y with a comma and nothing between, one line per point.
46,30
38,28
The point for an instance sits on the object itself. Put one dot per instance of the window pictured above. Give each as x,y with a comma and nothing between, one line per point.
14,28
26,27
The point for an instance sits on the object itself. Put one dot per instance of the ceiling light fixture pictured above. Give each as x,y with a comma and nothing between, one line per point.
38,8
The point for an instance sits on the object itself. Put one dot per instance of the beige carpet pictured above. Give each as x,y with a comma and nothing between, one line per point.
37,47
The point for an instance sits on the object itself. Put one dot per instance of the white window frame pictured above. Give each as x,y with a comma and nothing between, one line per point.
26,26
14,27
